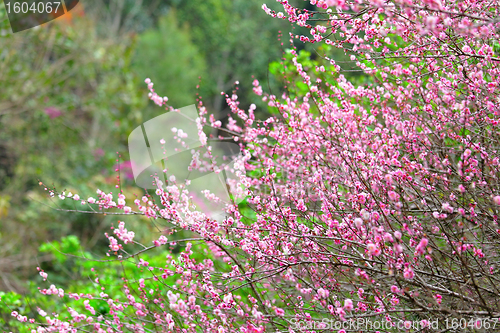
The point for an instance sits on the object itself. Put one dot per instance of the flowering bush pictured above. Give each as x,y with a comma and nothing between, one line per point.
377,201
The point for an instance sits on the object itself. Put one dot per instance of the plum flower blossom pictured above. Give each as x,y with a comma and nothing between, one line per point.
348,305
323,293
408,273
373,249
420,249
393,196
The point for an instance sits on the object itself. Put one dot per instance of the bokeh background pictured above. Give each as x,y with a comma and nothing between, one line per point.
72,90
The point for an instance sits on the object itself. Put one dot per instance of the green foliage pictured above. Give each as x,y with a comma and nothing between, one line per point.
168,57
237,39
11,302
68,100
116,18
78,275
82,81
5,29
285,72
67,245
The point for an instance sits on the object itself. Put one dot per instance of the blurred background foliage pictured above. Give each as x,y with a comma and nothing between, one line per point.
72,90
67,101
158,49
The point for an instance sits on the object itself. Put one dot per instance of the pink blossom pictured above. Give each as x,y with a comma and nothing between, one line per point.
388,237
373,249
420,249
348,306
393,196
341,313
447,207
408,273
279,312
323,293
53,112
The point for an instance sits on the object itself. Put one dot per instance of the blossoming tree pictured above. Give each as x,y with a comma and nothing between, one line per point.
373,204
